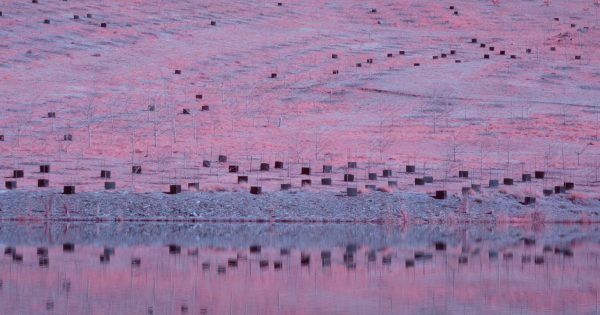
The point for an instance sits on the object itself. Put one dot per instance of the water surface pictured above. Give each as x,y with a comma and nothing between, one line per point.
297,269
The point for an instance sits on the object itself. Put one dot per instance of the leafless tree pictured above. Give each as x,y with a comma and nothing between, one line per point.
440,107
22,123
597,107
295,147
320,141
383,139
456,144
89,111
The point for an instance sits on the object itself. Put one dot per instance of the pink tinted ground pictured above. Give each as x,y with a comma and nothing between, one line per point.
496,118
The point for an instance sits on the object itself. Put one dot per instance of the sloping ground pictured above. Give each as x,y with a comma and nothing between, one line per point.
497,117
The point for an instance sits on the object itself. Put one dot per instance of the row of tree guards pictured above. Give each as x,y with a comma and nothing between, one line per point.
308,171
444,55
503,52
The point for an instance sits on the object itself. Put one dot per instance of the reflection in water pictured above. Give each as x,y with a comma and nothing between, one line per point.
459,274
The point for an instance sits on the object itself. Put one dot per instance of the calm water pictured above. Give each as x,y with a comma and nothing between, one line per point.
290,269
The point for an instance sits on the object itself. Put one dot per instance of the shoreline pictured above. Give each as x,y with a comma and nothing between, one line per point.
509,222
307,235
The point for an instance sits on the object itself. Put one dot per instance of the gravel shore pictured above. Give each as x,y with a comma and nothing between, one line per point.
298,206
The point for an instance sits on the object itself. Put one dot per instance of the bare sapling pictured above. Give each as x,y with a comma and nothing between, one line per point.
195,127
295,148
596,168
482,156
597,121
173,122
89,111
456,144
564,162
156,126
548,155
162,161
447,166
508,152
22,123
383,140
320,141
